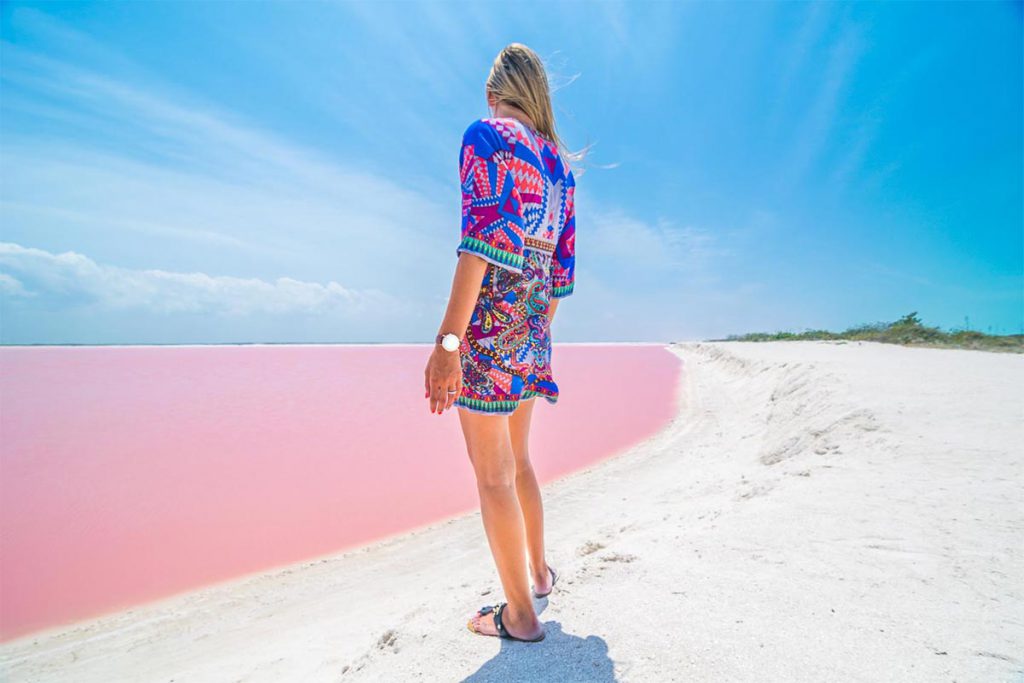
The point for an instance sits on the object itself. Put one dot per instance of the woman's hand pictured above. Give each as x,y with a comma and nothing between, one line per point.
443,372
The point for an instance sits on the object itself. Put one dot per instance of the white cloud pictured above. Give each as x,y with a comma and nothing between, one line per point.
11,286
75,277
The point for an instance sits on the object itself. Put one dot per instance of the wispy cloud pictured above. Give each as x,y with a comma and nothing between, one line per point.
660,254
813,131
181,173
797,53
870,123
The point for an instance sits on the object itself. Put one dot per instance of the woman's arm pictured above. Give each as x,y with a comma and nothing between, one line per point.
444,368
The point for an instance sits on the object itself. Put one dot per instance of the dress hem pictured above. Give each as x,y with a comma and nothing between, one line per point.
532,394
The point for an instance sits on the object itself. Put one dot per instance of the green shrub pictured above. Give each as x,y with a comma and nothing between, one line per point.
908,330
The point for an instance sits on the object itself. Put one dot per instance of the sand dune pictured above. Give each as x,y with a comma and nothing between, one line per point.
816,511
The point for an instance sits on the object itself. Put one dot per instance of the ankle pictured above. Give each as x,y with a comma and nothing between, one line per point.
523,618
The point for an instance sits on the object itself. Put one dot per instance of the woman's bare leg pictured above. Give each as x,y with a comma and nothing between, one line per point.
528,491
490,451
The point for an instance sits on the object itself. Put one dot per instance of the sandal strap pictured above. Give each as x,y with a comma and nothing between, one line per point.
498,609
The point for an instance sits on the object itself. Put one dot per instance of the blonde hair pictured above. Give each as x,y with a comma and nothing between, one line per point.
518,78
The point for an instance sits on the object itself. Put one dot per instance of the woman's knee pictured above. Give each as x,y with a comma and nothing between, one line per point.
494,468
496,484
522,459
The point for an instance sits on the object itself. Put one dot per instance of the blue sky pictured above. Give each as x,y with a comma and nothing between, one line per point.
190,172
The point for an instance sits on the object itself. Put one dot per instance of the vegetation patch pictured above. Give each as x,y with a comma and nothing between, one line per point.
908,331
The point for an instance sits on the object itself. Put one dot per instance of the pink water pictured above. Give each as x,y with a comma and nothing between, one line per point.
128,474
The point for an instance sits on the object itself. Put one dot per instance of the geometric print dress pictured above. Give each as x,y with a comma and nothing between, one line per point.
518,214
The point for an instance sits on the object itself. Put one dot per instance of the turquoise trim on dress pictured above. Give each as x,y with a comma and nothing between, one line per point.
507,407
564,290
530,393
486,406
492,254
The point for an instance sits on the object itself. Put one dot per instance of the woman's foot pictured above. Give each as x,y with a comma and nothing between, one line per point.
528,628
542,582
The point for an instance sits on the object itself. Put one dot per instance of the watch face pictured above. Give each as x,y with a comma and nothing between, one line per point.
450,342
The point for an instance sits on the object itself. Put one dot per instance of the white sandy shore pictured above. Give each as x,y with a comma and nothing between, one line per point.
816,512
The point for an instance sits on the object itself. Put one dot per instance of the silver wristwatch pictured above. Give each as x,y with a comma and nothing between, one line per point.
449,341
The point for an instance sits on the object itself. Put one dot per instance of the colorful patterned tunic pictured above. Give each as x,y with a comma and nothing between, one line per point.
518,214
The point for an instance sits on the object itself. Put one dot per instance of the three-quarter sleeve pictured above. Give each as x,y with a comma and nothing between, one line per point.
563,266
492,211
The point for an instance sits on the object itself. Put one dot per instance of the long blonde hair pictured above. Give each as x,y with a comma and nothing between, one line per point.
518,78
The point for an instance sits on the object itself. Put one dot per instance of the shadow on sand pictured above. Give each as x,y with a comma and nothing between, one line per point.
559,657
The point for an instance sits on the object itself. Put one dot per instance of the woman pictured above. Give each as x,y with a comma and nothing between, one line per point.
516,259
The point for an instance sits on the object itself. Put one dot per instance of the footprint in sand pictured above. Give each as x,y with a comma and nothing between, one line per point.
388,640
618,557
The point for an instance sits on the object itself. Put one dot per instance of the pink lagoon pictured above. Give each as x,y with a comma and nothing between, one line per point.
132,473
